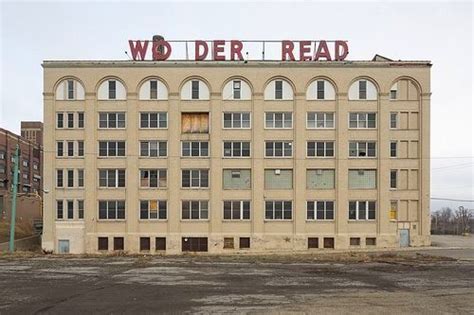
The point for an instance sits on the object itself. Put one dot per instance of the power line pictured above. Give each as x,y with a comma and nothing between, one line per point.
452,199
453,166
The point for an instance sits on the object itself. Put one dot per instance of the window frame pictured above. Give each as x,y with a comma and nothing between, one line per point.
158,120
159,171
273,120
393,180
232,156
200,149
108,120
325,120
108,142
283,149
359,120
159,210
158,143
274,210
116,178
392,150
232,121
116,210
325,210
191,172
394,121
366,210
241,209
358,150
200,210
325,149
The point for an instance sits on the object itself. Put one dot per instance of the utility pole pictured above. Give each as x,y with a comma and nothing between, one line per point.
11,245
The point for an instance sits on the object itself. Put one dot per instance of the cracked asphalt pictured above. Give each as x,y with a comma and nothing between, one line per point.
361,283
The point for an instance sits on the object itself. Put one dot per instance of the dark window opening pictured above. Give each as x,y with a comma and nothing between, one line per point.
278,90
144,243
354,241
194,244
160,243
320,90
228,242
328,242
118,243
103,243
362,90
244,242
112,89
370,241
313,242
195,90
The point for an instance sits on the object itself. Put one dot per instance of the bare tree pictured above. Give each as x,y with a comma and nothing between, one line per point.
463,216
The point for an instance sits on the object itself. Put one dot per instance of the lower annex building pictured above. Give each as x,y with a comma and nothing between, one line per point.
178,156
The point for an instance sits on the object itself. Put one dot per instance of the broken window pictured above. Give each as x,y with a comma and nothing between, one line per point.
195,123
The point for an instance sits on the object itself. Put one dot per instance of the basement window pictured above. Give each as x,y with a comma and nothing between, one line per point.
118,243
328,242
103,243
160,243
144,244
370,241
354,241
313,242
228,242
244,242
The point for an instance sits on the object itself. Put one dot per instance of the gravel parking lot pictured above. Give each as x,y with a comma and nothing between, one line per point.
339,283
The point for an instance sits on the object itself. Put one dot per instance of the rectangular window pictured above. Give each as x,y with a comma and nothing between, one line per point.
362,149
236,179
70,178
320,90
195,123
60,120
112,209
362,120
278,210
393,179
153,178
278,179
70,209
236,149
60,148
154,120
228,242
237,89
236,210
160,243
244,242
279,120
70,120
80,209
393,120
194,148
144,244
80,120
111,178
195,178
103,243
320,148
237,120
70,89
393,210
153,210
59,209
319,120
393,149
393,94
370,241
320,178
354,241
278,148
195,89
59,178
278,90
153,148
80,148
80,178
361,210
319,210
313,242
362,179
362,90
112,120
153,89
70,148
119,243
111,148
194,210
112,89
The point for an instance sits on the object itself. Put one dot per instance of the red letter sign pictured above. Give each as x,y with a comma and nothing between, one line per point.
305,47
138,50
218,48
338,55
287,50
197,47
161,50
236,50
322,52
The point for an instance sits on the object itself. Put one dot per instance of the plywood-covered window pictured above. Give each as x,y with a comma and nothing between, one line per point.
195,123
278,179
236,179
320,179
362,179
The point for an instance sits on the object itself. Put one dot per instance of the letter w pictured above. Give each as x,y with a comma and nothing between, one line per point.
138,50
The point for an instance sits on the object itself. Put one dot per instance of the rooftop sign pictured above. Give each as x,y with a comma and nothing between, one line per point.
159,49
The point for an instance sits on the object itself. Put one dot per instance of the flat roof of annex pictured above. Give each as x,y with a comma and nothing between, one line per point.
236,64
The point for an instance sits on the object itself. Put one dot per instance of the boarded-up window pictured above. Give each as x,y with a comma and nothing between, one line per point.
278,179
194,244
228,242
103,243
403,149
370,241
413,180
160,243
404,120
413,149
403,181
414,120
236,179
354,241
118,243
328,242
320,179
413,210
362,179
144,243
244,242
313,242
195,123
403,210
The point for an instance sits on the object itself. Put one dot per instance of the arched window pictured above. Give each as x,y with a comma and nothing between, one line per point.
153,89
70,89
195,89
363,90
237,89
112,89
278,89
321,89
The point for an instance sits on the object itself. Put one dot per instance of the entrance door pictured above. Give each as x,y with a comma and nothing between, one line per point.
404,238
63,247
194,244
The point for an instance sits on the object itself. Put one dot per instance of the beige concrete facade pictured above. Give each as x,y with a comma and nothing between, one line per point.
412,133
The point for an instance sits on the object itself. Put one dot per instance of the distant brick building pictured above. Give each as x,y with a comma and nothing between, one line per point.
33,131
30,180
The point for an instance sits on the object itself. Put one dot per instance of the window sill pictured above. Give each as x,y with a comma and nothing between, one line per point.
152,220
320,221
195,220
111,220
277,220
362,221
236,220
152,128
321,128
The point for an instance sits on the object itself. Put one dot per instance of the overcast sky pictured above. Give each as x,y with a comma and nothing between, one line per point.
438,31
